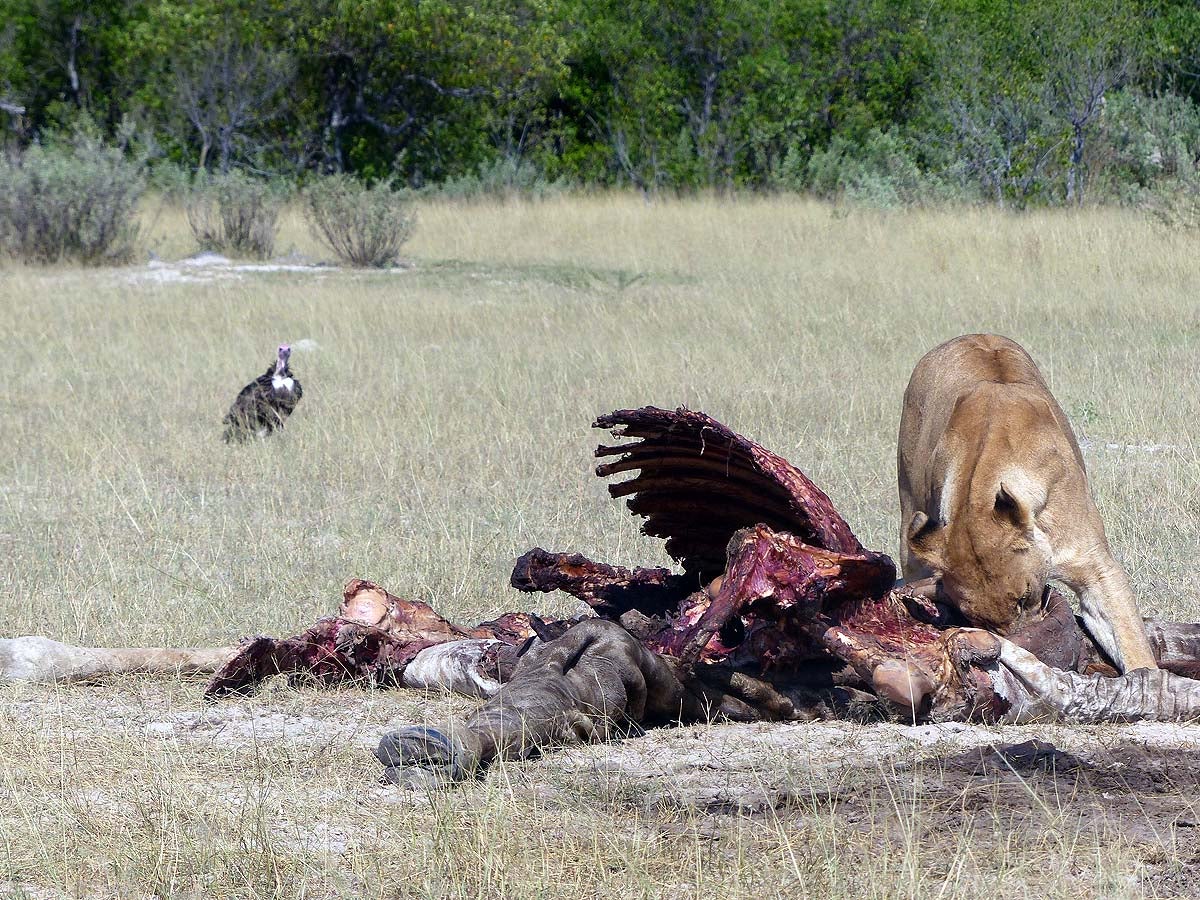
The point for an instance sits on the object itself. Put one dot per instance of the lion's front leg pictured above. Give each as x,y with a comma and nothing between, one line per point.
1110,613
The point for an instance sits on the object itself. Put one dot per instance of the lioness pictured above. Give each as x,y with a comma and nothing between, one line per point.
994,497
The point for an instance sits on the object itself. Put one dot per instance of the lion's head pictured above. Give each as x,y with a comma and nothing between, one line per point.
993,560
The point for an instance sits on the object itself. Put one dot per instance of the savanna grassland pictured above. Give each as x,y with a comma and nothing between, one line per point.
444,431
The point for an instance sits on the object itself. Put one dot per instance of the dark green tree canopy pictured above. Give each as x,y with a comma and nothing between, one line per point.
1016,102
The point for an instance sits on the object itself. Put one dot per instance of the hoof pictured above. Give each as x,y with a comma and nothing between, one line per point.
422,758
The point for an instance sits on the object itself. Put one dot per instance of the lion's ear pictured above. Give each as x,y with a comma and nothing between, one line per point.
927,539
1014,508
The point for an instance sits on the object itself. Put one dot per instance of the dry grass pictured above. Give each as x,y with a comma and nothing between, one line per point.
443,432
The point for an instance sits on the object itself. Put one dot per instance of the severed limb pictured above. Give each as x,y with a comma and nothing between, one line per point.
595,682
474,667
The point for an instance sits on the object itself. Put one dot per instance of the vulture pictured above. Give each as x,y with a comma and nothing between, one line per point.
265,403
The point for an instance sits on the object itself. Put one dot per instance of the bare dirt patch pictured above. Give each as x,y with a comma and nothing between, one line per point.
298,762
206,268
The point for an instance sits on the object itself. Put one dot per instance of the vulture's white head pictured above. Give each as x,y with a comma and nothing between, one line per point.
282,379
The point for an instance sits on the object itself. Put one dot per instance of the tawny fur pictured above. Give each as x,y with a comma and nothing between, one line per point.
994,496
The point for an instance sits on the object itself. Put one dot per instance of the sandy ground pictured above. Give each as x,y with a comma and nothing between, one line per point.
206,268
1137,785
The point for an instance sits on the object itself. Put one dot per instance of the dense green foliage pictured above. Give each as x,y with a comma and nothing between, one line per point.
889,101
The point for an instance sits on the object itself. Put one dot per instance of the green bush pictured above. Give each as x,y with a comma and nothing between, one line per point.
73,199
1146,148
505,176
235,214
880,172
364,226
1175,202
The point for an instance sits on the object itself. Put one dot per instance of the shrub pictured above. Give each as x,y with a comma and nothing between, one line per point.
363,226
235,214
880,172
70,199
1175,203
1145,149
505,176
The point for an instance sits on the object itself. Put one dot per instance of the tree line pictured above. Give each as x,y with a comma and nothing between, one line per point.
890,101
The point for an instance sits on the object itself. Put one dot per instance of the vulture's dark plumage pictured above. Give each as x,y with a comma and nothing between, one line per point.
265,403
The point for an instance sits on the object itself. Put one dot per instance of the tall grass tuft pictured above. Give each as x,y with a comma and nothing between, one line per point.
72,199
364,226
235,214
